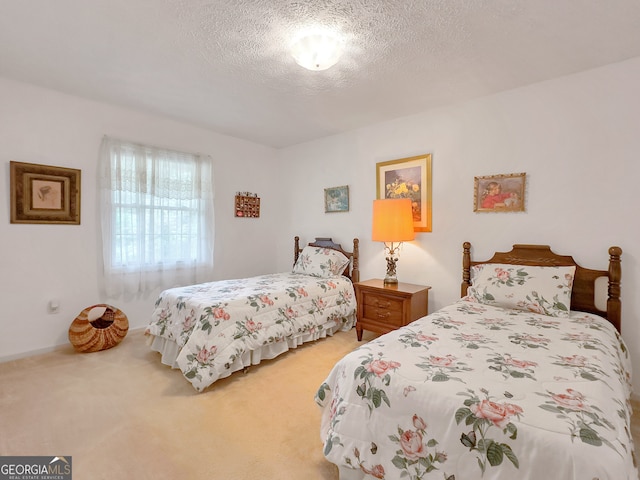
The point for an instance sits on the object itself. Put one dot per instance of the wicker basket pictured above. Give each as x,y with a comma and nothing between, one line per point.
98,327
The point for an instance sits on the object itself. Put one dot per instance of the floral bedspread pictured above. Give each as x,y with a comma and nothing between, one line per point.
215,323
476,391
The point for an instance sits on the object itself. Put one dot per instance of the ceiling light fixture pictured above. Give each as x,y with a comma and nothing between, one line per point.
317,50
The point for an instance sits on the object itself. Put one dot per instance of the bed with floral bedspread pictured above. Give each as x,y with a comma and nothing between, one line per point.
507,383
213,329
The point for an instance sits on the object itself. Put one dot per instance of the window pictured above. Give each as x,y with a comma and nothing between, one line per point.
157,219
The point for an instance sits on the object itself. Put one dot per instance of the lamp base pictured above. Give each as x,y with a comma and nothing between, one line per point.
391,277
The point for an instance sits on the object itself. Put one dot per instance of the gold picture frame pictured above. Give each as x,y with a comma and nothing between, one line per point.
499,193
408,178
44,194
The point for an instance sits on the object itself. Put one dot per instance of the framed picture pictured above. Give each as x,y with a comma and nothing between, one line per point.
44,194
499,193
408,178
336,199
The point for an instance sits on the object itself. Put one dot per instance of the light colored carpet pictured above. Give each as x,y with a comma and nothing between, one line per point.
121,414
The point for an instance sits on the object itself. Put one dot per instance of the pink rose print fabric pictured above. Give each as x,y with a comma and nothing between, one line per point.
213,327
481,392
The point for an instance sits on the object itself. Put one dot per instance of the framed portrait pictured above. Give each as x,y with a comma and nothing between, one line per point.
336,199
44,194
408,178
499,193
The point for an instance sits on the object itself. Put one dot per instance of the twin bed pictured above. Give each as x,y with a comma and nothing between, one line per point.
211,330
525,377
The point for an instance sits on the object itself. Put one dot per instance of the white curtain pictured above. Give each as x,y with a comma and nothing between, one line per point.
157,222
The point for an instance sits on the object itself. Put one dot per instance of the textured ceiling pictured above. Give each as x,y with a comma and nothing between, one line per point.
225,64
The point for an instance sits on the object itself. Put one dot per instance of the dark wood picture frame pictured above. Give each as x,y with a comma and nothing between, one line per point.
44,194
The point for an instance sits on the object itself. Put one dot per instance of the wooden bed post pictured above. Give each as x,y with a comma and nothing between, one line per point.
466,268
296,248
614,313
355,268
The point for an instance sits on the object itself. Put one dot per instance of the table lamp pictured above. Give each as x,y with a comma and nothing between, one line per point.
392,224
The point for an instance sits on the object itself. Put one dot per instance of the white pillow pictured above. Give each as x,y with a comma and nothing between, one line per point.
545,290
320,262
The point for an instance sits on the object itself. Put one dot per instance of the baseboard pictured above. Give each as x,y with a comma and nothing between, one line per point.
32,353
54,348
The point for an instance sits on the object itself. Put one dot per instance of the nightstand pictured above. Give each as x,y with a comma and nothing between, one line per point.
383,308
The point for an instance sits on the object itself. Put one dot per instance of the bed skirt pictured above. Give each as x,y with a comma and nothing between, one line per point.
169,349
347,473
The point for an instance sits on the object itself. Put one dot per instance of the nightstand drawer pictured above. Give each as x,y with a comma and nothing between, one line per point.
381,314
376,300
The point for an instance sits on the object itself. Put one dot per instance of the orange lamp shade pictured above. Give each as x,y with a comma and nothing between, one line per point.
392,220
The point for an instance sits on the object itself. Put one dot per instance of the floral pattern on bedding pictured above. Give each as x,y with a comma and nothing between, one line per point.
481,392
483,415
215,323
545,290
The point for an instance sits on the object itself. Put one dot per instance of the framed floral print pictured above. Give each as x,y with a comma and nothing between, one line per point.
408,178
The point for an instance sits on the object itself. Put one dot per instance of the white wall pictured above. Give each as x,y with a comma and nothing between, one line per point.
576,137
41,262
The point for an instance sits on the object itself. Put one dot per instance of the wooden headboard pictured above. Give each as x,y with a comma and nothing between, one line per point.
353,270
584,284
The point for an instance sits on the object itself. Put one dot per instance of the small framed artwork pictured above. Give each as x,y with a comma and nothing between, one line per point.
408,178
44,194
336,199
499,193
